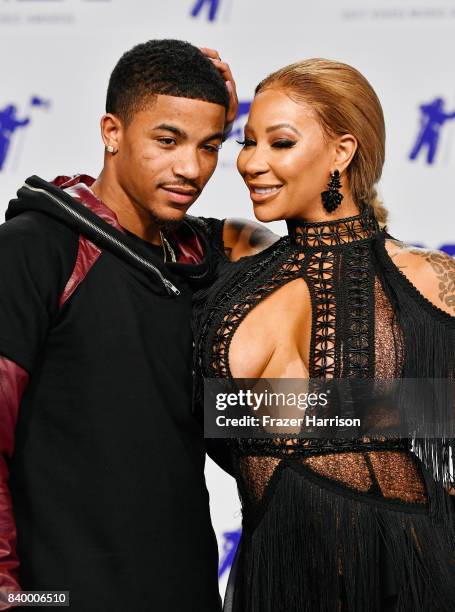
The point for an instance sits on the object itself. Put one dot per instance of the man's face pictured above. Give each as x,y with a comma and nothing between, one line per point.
167,153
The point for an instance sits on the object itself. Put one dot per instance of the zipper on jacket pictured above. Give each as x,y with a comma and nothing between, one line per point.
172,289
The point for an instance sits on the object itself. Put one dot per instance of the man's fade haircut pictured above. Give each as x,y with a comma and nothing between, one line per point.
168,67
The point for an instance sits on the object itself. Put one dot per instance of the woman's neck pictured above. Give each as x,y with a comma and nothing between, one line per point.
318,214
334,230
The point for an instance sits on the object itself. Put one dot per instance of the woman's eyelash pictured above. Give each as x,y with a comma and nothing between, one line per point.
278,144
283,144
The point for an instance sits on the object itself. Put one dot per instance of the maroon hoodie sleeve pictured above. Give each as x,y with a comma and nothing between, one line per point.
13,380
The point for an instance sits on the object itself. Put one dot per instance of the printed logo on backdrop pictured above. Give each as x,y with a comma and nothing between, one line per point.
13,126
210,10
240,120
231,541
445,248
434,118
448,248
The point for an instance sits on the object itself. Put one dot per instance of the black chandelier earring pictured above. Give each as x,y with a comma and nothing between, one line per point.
331,198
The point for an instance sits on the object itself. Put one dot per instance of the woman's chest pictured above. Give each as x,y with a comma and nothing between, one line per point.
273,339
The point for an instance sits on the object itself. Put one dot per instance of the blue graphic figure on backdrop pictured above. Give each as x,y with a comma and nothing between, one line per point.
9,123
237,128
213,6
231,541
433,117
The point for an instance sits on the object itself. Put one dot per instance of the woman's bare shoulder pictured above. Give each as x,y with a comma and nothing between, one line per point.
243,237
432,272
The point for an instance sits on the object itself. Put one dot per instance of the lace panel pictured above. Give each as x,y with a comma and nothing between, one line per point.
389,347
256,473
387,474
398,476
319,275
331,233
358,302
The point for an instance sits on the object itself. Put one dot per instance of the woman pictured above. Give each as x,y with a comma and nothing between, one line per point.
360,525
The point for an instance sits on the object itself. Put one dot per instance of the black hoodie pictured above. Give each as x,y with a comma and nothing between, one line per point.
107,481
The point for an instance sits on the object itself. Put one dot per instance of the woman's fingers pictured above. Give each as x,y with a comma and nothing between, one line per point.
225,71
212,53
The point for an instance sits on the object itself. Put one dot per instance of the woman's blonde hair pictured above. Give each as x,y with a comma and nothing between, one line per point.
345,103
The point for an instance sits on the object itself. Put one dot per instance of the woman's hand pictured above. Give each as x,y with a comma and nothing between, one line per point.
225,71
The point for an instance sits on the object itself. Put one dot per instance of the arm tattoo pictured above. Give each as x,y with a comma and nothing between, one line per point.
444,268
256,237
262,237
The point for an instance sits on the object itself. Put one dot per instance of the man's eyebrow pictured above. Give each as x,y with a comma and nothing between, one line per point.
171,128
216,136
282,125
178,132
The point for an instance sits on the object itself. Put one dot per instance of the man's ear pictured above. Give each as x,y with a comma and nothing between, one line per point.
345,148
111,132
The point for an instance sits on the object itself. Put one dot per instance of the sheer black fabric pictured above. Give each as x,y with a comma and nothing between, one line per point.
337,525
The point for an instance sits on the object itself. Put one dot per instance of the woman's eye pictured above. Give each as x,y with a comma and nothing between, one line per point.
283,143
246,143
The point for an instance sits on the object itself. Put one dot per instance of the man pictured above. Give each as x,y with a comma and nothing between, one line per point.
102,492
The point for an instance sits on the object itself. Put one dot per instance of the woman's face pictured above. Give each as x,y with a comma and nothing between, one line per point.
286,158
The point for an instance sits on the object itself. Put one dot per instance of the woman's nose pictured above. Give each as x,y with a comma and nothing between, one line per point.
255,162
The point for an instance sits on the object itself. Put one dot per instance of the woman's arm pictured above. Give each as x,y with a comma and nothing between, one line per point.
243,237
431,272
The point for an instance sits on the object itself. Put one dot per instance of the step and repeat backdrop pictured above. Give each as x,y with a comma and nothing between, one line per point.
55,61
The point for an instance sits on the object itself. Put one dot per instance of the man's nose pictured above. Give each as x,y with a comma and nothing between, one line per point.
187,165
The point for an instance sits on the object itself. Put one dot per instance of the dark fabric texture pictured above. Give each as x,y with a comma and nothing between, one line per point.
107,477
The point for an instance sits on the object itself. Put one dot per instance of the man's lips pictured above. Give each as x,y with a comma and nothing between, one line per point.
263,192
180,195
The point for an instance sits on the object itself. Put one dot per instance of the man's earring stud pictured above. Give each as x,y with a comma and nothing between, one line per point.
110,149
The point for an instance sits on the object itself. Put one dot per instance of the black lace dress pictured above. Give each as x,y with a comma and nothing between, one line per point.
330,526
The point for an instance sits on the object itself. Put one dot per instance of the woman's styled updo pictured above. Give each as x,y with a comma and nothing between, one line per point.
345,103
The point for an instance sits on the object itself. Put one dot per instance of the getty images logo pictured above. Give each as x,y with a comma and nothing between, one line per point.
13,121
433,117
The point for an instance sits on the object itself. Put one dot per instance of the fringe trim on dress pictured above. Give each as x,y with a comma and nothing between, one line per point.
321,548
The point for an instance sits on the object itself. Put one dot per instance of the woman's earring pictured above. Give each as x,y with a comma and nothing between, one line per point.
331,198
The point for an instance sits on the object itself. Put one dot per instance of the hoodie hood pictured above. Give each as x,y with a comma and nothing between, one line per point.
98,223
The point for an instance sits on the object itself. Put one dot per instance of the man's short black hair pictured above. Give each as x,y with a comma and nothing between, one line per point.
169,67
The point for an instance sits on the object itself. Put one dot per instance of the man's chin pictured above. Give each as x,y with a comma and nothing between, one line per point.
168,223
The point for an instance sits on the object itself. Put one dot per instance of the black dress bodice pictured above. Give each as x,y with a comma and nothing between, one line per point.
359,302
301,495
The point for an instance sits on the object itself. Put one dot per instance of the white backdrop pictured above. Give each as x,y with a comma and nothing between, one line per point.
56,57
